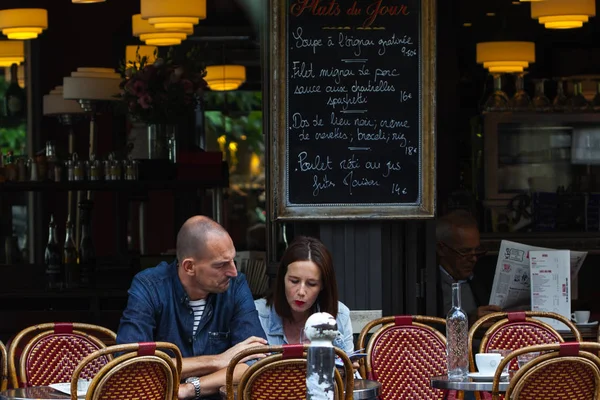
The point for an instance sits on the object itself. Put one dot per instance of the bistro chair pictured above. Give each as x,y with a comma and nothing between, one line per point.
3,367
515,330
561,371
403,354
50,352
282,374
139,371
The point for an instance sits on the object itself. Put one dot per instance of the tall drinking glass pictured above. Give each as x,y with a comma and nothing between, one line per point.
520,100
540,101
560,100
498,100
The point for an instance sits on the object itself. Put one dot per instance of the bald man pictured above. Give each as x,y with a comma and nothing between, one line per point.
199,303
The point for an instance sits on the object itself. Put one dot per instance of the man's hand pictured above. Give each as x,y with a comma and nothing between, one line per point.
186,391
252,341
485,310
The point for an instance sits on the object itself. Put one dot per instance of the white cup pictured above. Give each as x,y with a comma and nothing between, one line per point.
581,317
487,362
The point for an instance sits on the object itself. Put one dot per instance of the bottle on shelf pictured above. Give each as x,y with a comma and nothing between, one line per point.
53,259
14,98
457,339
51,160
10,168
72,273
87,254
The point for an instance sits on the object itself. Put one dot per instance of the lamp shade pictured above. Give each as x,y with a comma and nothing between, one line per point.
157,37
55,104
23,23
563,14
173,14
505,57
87,1
92,84
133,54
225,77
11,52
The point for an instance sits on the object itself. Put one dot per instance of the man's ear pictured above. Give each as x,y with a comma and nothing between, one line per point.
188,266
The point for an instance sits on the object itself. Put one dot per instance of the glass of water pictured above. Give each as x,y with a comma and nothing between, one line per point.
525,358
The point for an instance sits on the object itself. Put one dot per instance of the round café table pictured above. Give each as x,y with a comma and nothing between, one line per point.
364,389
35,392
466,385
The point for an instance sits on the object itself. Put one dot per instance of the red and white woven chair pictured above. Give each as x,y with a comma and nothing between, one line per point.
282,374
139,371
569,371
515,330
403,354
51,351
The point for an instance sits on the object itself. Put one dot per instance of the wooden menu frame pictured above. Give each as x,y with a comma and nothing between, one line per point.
277,142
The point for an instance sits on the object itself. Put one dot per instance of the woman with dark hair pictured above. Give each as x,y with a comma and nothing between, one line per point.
305,284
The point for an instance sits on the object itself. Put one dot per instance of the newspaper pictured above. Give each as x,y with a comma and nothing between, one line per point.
511,289
551,284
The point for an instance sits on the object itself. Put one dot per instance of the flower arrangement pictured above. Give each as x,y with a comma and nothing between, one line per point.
165,91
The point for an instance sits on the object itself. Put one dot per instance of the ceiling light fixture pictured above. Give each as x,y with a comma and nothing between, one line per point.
225,77
11,52
156,37
87,1
23,23
505,57
563,14
173,14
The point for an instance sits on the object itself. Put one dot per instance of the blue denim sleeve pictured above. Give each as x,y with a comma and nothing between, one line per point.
245,322
345,329
138,322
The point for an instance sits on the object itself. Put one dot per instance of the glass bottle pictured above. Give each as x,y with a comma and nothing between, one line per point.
498,100
10,168
14,98
70,258
87,253
578,102
53,259
50,159
457,340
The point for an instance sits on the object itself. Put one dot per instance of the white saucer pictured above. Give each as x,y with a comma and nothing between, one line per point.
591,323
478,376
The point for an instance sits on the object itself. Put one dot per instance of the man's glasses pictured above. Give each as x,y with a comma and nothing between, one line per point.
465,253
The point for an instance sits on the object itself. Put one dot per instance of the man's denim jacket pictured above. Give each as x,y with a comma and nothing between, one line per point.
158,310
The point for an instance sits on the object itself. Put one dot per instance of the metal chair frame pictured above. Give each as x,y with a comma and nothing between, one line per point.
31,336
577,352
276,359
387,323
132,353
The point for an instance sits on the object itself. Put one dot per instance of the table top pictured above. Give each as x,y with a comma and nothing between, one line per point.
467,385
35,392
363,389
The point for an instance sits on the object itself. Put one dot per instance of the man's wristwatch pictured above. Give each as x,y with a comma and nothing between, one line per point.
194,380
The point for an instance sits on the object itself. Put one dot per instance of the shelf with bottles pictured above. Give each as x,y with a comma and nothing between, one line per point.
573,94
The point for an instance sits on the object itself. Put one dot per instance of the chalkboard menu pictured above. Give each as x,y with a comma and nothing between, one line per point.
353,87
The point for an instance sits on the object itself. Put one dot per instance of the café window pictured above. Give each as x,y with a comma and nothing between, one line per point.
541,172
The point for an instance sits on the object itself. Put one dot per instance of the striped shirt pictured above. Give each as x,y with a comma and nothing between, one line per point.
198,308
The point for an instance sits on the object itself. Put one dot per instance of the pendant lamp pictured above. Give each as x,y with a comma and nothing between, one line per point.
11,52
23,23
173,14
563,14
505,57
225,77
156,37
134,54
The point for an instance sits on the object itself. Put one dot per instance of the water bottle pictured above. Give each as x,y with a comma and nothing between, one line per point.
457,338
